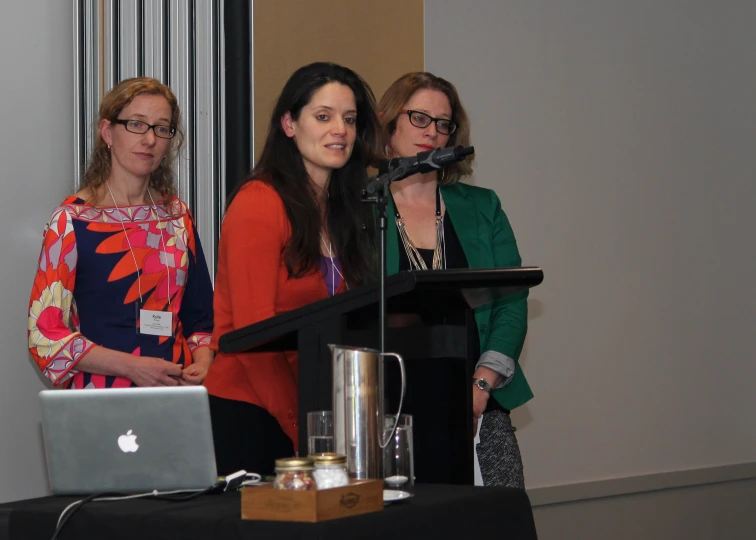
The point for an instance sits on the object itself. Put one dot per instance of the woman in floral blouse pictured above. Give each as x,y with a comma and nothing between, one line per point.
122,295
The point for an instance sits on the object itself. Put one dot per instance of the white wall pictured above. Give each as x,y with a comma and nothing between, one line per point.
36,164
620,137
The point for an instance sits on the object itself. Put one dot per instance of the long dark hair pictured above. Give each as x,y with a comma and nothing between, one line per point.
350,222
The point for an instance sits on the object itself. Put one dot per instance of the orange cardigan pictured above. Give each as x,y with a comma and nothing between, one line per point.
252,284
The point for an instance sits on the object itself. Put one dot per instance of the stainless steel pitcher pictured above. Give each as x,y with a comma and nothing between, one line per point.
358,408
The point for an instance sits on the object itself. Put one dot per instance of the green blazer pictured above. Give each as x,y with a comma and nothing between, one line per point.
488,242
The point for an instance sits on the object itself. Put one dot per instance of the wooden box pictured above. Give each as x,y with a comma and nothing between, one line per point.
359,497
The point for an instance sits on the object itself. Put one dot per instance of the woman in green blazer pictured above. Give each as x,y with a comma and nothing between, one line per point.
441,223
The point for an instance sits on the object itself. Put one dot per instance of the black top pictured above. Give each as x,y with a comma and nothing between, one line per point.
455,255
455,258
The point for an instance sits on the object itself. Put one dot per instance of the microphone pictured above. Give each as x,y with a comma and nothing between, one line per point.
396,169
425,161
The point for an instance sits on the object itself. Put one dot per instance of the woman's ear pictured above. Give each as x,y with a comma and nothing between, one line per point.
105,131
287,123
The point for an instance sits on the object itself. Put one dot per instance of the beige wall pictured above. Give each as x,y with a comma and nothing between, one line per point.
378,40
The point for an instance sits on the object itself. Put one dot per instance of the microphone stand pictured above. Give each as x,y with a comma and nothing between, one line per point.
377,192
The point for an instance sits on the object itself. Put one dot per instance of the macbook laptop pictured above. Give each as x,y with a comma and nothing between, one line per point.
128,440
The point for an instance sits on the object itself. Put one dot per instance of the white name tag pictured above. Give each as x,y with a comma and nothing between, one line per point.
155,323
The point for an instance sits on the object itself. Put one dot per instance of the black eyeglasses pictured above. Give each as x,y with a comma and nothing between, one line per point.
422,120
137,126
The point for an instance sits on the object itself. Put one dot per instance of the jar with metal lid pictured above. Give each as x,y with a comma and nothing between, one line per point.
294,474
330,470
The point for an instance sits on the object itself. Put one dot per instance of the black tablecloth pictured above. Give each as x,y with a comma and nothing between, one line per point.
440,511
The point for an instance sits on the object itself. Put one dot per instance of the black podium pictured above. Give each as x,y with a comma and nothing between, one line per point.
439,302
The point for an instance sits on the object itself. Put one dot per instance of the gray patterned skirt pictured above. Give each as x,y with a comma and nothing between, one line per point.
498,452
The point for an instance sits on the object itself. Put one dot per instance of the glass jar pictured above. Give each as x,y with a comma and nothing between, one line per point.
330,470
294,474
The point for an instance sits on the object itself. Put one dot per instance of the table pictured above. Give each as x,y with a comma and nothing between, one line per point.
440,511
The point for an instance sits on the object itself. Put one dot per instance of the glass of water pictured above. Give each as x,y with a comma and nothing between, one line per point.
398,455
319,432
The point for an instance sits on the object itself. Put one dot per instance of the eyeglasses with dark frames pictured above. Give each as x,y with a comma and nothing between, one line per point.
422,120
139,127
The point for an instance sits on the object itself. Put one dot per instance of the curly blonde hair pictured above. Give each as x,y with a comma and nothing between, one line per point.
400,92
162,179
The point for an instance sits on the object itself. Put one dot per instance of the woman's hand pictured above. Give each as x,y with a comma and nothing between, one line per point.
194,374
480,400
480,397
151,371
197,371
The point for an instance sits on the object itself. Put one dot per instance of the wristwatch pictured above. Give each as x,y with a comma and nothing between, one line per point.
483,385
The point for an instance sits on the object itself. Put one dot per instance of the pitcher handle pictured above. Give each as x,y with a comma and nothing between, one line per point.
382,443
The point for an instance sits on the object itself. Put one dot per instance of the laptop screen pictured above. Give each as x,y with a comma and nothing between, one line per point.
128,440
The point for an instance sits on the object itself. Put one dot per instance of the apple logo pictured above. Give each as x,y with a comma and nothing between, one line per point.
127,443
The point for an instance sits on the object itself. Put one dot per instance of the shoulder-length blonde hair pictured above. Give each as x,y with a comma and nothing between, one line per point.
162,179
397,96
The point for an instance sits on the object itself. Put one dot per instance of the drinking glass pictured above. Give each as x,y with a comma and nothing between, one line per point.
319,432
398,456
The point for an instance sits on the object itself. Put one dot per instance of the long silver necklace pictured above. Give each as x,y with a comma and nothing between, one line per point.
416,260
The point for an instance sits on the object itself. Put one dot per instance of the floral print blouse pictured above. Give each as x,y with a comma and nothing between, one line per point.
98,267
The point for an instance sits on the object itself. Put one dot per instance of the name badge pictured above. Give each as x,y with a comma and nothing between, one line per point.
155,323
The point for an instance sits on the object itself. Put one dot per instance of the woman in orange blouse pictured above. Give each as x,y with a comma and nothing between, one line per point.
294,233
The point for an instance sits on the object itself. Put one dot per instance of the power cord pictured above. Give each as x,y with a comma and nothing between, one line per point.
251,479
65,515
228,483
175,496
